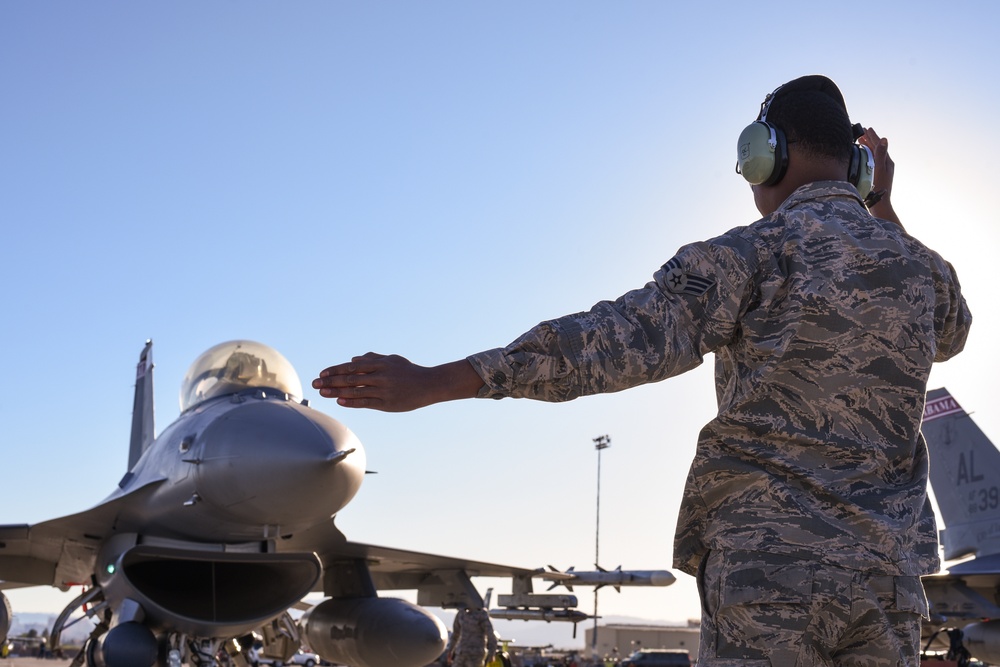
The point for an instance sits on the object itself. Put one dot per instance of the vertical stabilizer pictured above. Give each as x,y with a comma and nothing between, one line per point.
142,406
965,476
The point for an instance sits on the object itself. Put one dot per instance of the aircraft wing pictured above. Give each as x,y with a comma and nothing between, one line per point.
59,552
438,580
398,569
967,590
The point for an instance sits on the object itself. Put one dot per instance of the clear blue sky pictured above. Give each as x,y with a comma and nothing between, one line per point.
431,179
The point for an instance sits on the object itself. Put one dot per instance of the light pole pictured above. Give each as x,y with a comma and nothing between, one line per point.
601,443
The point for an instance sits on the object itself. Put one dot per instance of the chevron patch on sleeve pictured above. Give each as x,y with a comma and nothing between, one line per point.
680,281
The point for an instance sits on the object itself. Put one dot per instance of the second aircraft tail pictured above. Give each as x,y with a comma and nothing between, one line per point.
965,476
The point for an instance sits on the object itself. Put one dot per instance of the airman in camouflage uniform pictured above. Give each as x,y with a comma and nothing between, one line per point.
805,515
472,642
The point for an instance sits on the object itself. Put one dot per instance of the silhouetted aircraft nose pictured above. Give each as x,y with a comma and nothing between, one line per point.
276,462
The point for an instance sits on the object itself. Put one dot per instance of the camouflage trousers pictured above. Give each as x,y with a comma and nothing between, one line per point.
473,658
765,610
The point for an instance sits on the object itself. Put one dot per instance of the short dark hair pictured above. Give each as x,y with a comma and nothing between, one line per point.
817,122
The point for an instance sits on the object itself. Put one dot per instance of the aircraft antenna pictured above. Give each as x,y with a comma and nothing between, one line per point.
601,443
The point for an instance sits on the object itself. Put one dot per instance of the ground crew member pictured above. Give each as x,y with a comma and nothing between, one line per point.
472,642
805,515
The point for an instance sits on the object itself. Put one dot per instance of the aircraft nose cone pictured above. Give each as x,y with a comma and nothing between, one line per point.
272,462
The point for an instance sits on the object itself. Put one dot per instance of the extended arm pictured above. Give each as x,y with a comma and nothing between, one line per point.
658,331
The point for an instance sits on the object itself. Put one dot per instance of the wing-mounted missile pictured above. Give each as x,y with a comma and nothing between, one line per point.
558,577
525,605
548,615
601,577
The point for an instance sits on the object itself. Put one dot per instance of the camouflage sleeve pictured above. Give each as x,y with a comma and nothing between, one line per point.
952,318
691,307
456,633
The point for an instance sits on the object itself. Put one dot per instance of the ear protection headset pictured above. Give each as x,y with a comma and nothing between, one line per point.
762,149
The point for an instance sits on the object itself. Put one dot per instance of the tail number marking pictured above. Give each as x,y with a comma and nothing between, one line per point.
967,471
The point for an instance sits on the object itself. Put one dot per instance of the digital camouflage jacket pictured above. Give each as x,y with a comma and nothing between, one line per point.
824,322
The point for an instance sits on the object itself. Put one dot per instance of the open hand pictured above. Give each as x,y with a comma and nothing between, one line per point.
392,383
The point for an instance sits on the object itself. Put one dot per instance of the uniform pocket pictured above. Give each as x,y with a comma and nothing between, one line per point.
910,596
763,608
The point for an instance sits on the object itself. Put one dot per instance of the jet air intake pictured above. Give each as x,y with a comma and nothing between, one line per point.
208,593
374,632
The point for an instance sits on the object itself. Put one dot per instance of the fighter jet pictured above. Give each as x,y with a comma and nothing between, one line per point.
965,477
222,523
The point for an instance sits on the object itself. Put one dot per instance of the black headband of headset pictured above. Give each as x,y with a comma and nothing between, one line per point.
810,83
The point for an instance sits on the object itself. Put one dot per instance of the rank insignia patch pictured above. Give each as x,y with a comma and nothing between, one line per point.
680,281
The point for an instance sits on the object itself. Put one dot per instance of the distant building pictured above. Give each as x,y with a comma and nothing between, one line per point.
621,639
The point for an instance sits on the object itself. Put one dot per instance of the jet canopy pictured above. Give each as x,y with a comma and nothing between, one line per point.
235,366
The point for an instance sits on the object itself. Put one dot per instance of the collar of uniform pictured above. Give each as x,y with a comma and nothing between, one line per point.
819,189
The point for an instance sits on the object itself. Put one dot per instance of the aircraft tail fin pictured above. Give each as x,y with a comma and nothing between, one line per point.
142,406
965,476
